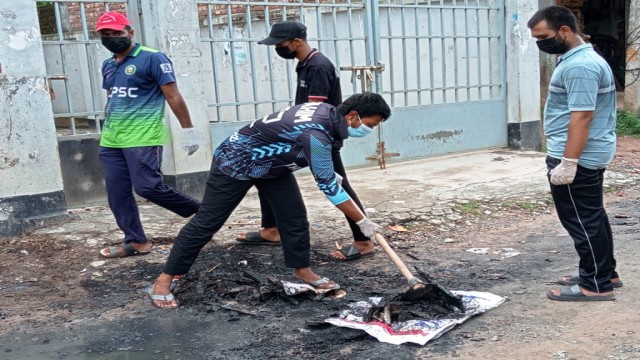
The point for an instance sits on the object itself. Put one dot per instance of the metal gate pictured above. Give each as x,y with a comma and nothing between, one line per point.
250,80
73,55
445,75
440,64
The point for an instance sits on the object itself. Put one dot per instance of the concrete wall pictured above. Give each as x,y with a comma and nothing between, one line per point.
82,173
632,90
523,78
168,26
31,191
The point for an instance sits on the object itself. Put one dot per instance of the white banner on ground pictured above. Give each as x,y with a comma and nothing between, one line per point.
415,331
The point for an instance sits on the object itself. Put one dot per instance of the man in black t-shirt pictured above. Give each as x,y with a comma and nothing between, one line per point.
317,81
265,154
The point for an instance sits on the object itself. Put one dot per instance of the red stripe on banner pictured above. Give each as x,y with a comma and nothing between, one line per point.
389,329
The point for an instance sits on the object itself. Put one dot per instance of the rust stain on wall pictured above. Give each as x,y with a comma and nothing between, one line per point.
440,135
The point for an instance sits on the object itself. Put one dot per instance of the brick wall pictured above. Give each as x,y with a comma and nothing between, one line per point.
256,10
92,12
71,16
72,21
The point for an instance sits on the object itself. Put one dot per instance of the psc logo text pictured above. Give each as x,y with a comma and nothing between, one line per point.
123,92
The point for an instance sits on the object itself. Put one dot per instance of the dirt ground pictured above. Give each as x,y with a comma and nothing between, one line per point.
59,300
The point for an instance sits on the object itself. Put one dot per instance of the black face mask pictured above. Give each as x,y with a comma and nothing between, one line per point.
116,44
553,46
285,53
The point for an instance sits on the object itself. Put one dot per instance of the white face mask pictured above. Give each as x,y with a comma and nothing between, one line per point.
361,131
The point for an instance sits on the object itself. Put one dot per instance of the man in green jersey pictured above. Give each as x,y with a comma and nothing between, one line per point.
138,80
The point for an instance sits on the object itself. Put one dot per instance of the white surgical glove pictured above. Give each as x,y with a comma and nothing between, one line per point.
565,172
368,228
191,140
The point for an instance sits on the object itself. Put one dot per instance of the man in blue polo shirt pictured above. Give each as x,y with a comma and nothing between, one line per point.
317,81
579,123
138,80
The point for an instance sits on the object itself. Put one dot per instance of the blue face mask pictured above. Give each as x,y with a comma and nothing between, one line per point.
361,131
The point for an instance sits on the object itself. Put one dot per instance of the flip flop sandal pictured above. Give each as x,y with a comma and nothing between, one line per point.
169,297
350,252
254,238
573,293
575,279
174,282
316,284
129,250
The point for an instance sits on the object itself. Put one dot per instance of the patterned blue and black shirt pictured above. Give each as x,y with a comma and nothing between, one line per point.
286,141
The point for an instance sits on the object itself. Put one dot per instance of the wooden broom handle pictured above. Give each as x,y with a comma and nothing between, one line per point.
394,258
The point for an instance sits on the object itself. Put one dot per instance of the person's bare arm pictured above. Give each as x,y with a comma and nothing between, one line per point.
351,210
177,104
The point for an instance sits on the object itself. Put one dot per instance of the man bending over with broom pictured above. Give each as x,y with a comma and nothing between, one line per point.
265,153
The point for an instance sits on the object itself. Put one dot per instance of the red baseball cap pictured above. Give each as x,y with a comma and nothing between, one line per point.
112,20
